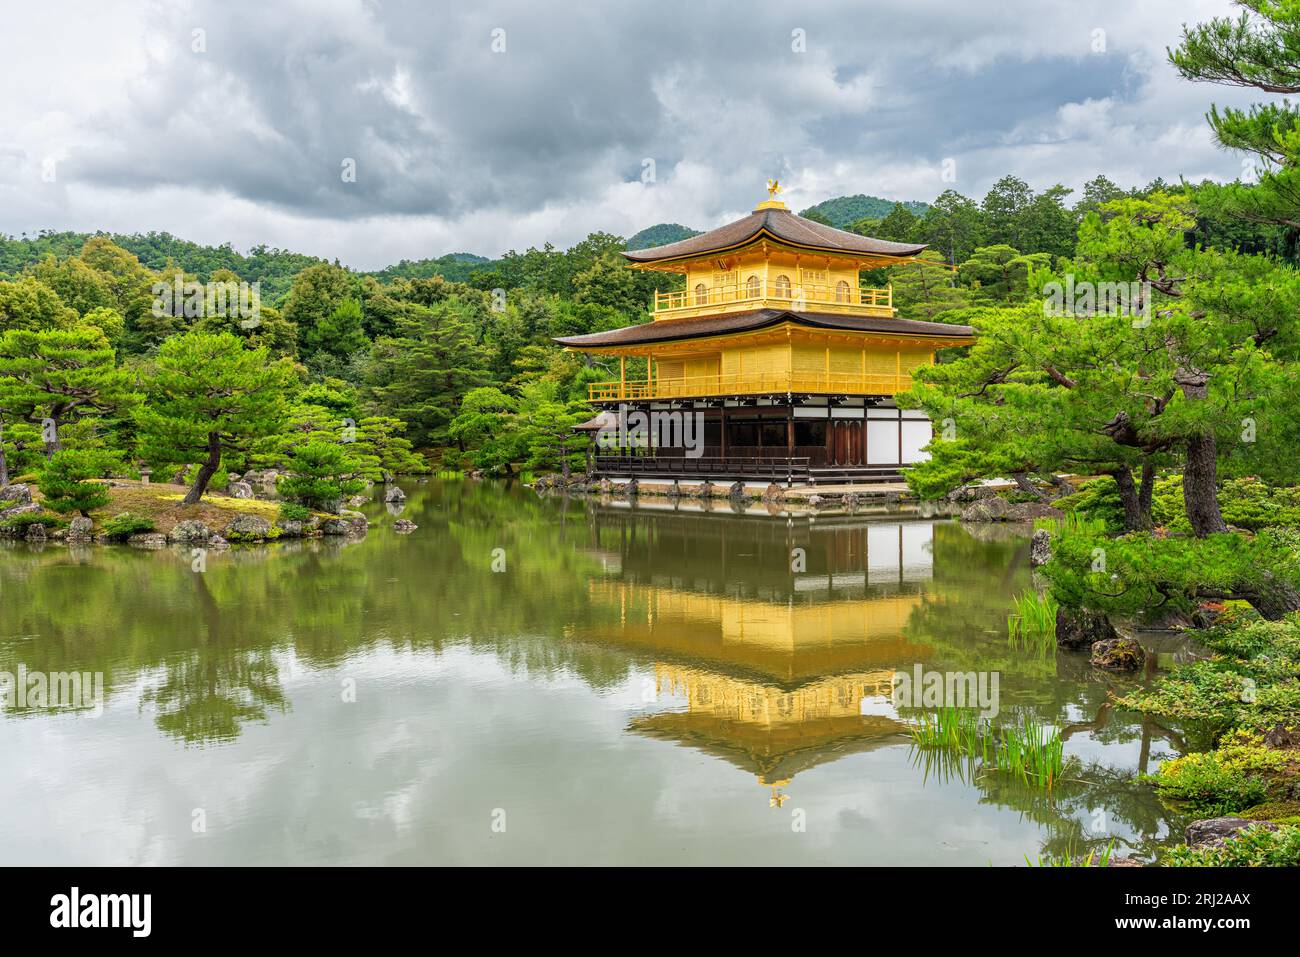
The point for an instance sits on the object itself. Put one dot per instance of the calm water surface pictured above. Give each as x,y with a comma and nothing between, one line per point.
629,685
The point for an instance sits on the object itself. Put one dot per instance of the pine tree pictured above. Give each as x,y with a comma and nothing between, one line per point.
210,396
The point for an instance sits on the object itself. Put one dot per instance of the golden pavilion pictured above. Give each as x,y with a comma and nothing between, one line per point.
791,363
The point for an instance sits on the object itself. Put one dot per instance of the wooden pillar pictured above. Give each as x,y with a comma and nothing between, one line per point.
724,428
789,429
622,377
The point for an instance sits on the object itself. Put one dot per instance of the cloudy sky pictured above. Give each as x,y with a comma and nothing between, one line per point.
494,125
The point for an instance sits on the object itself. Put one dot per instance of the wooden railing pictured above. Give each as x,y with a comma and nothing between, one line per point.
755,383
795,295
775,467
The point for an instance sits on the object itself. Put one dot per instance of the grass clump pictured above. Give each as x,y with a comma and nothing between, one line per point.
1033,624
1094,858
1026,749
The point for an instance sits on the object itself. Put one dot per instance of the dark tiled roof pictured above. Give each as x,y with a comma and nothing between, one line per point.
669,330
782,225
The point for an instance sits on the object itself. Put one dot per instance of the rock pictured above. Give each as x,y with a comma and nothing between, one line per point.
1124,862
357,501
632,489
291,528
404,526
37,533
814,500
239,490
606,487
336,526
358,521
1117,654
1082,629
233,477
189,532
705,491
736,492
1214,831
248,528
991,509
1040,548
263,482
971,493
81,530
394,494
31,508
1281,737
773,494
1028,511
148,540
852,501
217,542
18,494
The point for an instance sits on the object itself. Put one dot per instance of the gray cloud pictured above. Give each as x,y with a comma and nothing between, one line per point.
458,147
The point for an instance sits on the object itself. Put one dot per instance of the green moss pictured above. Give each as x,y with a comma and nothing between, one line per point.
1279,812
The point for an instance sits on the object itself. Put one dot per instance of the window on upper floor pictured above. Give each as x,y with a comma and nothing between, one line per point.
782,287
753,287
841,291
701,294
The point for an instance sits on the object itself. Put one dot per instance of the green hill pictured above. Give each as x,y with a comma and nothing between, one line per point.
842,211
660,234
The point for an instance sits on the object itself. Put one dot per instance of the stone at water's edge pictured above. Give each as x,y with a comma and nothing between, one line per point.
81,530
1040,548
404,526
148,540
773,494
1000,510
1117,654
189,532
1214,831
248,528
394,494
1078,628
632,489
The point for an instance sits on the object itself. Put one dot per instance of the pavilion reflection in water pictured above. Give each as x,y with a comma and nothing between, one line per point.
782,637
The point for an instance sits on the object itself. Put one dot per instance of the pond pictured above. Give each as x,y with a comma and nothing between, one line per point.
533,680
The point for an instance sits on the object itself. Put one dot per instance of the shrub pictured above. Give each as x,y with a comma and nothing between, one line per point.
1253,847
66,482
1096,500
323,473
121,527
27,519
291,512
1208,785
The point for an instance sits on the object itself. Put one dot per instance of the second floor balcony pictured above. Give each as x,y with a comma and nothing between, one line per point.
702,299
748,384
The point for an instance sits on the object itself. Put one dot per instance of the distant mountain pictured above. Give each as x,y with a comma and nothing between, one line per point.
843,211
660,234
454,267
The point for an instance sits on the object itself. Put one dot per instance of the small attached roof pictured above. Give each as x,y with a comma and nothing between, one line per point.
670,330
781,225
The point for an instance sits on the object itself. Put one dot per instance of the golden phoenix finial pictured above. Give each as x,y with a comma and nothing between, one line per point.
773,187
